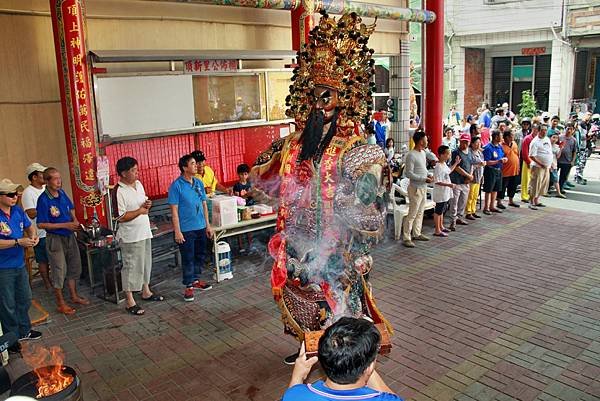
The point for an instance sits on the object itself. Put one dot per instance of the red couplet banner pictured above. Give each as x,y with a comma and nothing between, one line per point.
69,27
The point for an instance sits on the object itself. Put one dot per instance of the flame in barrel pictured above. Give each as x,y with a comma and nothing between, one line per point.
47,364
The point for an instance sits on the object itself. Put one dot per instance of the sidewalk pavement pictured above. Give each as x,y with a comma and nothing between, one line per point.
507,308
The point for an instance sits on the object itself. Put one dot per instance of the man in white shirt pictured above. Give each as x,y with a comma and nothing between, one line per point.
386,123
508,113
540,153
415,170
134,235
35,175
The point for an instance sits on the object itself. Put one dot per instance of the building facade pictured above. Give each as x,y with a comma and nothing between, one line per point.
30,106
583,32
500,48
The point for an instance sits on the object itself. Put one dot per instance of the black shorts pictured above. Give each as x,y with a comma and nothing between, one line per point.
440,207
492,179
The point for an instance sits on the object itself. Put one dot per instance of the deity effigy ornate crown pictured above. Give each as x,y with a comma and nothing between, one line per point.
336,56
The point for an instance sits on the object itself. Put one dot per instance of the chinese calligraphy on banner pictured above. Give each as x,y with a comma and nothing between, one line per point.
191,66
69,35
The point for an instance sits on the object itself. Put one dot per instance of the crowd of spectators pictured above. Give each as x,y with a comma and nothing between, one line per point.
496,155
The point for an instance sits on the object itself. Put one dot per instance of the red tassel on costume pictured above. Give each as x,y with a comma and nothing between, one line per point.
279,271
328,295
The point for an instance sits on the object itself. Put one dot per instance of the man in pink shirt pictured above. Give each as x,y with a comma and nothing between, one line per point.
525,173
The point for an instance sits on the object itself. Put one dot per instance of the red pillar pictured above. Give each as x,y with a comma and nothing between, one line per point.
69,27
302,23
434,74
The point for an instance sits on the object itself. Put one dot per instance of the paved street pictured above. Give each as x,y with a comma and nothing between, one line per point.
507,308
585,198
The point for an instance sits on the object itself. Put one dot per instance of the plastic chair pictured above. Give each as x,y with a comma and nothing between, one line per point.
398,209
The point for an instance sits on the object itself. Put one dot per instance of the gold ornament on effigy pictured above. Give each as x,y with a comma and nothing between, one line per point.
336,56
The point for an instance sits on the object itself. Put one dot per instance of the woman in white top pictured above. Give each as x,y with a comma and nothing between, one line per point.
449,139
389,149
134,235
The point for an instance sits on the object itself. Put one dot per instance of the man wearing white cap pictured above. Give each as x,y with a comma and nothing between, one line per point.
15,293
35,175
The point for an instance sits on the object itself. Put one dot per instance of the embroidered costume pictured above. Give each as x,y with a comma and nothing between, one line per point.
330,185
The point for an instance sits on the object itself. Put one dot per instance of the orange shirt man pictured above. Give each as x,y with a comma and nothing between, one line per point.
510,170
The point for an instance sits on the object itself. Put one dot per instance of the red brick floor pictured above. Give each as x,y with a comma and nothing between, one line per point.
507,308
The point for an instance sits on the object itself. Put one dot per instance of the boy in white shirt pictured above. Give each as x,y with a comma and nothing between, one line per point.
442,189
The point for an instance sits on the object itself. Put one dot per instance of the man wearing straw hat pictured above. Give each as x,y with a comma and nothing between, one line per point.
15,293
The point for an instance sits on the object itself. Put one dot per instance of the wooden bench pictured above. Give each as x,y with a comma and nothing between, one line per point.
164,246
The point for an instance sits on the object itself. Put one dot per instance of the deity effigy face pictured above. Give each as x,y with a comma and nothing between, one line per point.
326,101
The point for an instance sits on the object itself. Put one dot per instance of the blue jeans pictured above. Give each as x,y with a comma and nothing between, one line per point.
193,253
15,300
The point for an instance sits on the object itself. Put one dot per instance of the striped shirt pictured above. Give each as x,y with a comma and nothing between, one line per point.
319,392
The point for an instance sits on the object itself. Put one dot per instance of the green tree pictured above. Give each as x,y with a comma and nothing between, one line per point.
528,107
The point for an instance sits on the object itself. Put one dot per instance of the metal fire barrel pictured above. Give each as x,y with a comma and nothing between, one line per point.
26,386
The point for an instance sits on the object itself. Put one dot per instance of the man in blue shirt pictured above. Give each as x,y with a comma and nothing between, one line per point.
493,154
347,353
379,133
56,215
15,293
187,199
485,118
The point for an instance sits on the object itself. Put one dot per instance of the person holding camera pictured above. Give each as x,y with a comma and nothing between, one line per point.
348,355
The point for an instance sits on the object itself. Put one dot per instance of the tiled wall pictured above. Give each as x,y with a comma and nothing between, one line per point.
224,151
399,89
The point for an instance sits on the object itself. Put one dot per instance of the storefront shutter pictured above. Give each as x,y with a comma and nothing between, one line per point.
542,81
580,80
500,80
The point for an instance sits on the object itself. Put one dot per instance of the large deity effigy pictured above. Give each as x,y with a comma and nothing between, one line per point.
330,185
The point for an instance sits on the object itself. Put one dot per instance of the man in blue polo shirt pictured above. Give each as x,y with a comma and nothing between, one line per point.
56,215
493,154
347,353
187,199
15,293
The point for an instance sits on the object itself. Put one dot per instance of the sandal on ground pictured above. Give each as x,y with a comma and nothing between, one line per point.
80,301
442,234
135,310
154,298
445,230
65,309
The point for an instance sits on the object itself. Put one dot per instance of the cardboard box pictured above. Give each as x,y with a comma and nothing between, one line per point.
224,219
311,341
263,209
224,204
223,210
